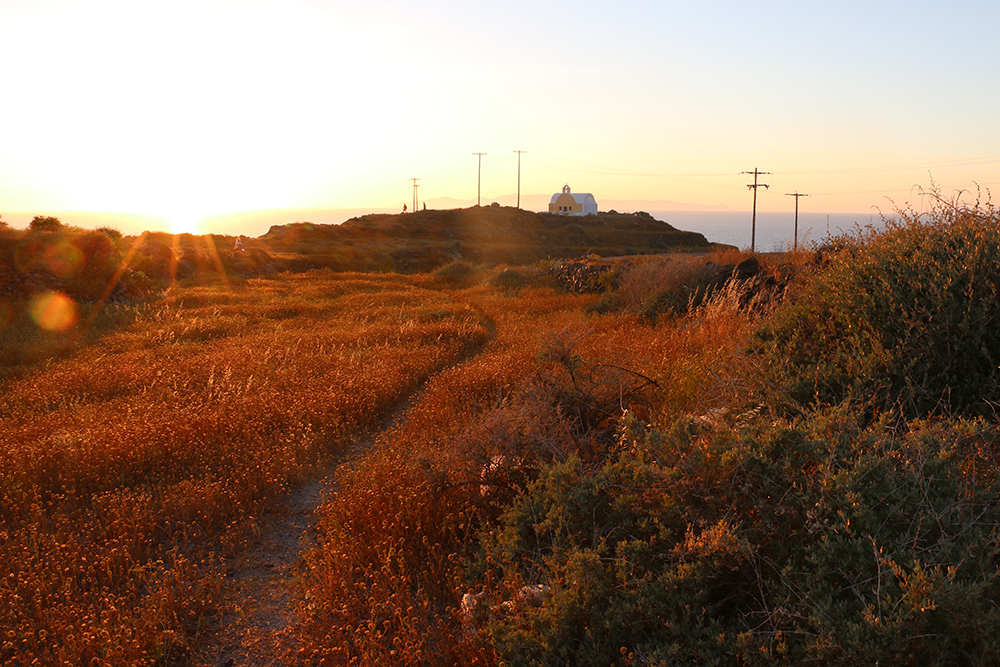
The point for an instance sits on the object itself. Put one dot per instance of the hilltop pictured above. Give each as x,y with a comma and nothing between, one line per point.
82,263
423,240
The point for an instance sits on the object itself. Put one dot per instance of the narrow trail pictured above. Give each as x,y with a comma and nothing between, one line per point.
259,588
261,585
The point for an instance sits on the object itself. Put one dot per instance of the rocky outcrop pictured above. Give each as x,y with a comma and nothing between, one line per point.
583,277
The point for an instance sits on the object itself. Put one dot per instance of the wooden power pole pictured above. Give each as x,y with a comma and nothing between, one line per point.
519,177
479,182
795,244
753,219
415,186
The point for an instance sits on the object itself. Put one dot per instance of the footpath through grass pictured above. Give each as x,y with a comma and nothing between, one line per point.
129,467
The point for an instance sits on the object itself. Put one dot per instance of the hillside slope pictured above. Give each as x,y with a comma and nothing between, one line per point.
423,240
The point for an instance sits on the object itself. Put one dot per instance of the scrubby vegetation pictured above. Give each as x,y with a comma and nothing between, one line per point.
729,460
906,318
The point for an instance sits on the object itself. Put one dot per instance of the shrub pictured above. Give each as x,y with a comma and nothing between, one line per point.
906,318
111,233
155,259
777,542
138,285
669,287
100,261
81,264
509,281
45,223
591,393
607,549
456,274
888,546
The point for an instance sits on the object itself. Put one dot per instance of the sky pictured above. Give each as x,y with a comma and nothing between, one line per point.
182,109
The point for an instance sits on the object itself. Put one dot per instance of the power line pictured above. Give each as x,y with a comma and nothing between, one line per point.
592,168
795,245
963,162
519,177
753,220
479,182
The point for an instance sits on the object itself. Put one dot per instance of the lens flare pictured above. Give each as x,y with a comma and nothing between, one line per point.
54,311
63,259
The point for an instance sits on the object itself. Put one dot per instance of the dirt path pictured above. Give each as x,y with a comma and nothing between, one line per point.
260,588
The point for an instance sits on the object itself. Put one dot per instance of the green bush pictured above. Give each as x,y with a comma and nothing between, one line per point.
80,263
111,233
509,281
813,540
873,548
100,257
456,274
45,223
907,318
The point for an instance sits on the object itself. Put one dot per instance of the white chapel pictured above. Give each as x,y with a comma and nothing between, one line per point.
569,203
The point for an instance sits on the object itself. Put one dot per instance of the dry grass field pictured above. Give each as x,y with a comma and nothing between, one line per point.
387,582
129,468
716,460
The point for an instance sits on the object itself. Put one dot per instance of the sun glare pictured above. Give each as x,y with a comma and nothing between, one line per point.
184,223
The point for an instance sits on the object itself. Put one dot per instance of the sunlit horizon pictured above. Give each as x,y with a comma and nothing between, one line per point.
189,113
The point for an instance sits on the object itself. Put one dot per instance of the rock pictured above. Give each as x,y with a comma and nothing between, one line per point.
584,278
748,268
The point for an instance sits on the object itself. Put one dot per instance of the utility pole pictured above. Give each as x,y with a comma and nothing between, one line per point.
753,220
480,181
415,186
795,245
519,177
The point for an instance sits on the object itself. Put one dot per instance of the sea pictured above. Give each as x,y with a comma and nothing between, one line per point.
775,231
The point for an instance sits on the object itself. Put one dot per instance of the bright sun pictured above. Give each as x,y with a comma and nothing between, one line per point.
182,222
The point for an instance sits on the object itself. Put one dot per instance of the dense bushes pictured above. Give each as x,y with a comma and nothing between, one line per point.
60,286
907,318
811,540
79,263
768,532
672,286
509,281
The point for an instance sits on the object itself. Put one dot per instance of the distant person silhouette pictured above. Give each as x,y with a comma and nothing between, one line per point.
425,206
404,208
238,246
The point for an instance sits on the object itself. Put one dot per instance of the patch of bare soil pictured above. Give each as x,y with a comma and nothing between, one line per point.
260,587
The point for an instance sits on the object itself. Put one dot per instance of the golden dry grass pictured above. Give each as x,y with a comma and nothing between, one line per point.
130,467
386,580
123,467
